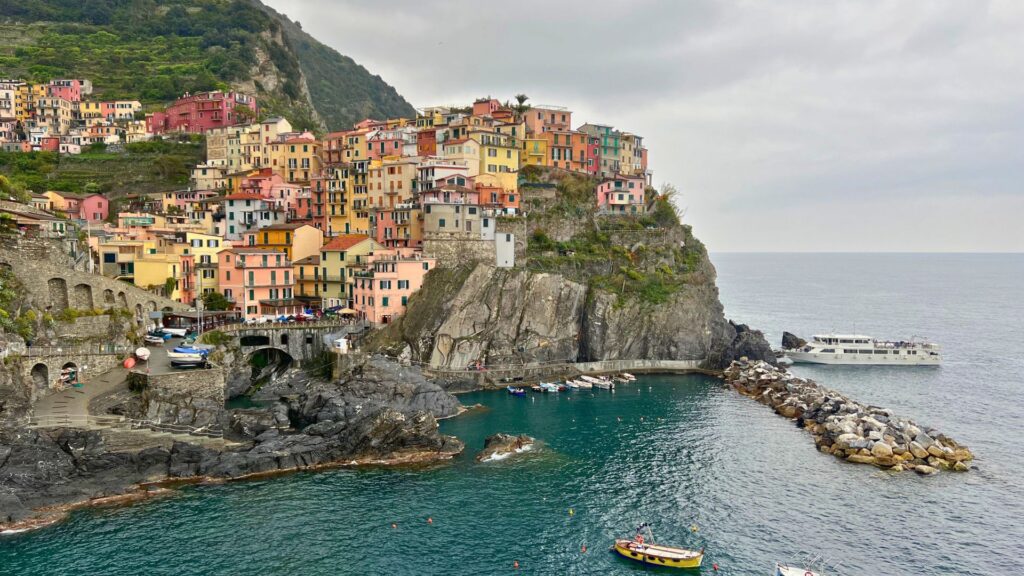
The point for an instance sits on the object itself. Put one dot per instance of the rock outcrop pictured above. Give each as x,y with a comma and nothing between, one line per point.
792,341
379,413
510,317
501,446
845,428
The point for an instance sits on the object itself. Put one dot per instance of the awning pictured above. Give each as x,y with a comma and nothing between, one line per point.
347,312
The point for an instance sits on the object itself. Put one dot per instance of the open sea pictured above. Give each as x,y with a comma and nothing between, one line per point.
705,466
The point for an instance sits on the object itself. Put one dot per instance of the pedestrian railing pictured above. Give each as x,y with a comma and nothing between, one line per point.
97,349
122,422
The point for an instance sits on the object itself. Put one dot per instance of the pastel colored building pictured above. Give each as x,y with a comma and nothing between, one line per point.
621,195
381,291
197,113
296,240
94,208
307,281
338,257
485,106
70,90
586,153
248,212
258,282
540,119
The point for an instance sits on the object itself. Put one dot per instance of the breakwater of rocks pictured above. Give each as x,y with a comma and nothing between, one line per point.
848,429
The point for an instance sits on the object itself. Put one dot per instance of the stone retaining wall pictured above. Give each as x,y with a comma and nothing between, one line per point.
188,397
84,328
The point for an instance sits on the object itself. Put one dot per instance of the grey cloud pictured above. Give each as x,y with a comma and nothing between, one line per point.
878,122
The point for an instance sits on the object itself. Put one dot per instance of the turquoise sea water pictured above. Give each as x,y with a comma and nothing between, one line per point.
673,451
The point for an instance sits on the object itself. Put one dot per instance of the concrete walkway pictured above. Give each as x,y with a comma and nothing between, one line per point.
72,404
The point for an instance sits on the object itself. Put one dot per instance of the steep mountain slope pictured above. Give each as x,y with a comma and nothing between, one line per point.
154,50
343,92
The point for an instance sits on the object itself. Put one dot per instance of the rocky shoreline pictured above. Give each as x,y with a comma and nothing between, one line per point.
381,414
845,428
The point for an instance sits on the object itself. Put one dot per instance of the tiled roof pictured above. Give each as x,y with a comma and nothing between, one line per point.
344,242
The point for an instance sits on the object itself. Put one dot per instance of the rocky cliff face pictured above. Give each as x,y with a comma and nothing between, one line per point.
517,317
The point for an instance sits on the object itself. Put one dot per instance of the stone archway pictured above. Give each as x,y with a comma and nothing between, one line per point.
82,296
71,366
108,296
151,306
58,289
123,300
254,340
41,376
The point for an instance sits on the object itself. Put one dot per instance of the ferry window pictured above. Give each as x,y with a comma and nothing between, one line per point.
881,351
865,351
827,351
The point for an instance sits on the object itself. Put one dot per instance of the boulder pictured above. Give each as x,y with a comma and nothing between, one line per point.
936,450
960,467
860,459
925,470
500,446
792,341
881,449
917,450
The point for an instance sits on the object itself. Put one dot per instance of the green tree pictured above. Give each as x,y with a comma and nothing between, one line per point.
521,105
215,301
13,190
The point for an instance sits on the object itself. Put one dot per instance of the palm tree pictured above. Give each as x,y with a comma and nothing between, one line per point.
522,106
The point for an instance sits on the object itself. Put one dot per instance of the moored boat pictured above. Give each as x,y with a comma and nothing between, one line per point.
783,570
516,391
142,354
583,385
181,356
549,386
853,349
647,552
628,376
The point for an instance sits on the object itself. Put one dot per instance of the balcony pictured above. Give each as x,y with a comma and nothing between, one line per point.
247,265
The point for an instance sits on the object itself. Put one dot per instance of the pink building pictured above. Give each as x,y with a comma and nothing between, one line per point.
197,113
259,282
70,90
49,144
621,194
485,107
94,208
381,291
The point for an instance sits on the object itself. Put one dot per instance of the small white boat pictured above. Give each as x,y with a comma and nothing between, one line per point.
142,354
549,386
628,376
583,384
783,570
599,382
175,331
572,384
185,357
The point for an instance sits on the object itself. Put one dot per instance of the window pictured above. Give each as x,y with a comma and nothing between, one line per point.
426,266
110,258
403,284
384,301
472,209
440,223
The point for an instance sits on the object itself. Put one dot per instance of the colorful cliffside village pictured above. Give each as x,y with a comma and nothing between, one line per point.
281,222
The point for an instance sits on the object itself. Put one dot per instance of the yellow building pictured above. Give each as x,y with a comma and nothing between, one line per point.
302,159
90,111
357,217
307,279
26,98
296,240
462,150
534,152
338,258
153,270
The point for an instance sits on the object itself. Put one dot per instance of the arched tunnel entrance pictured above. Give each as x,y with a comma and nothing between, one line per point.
41,376
266,365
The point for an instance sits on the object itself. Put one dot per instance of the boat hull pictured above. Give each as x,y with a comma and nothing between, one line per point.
800,357
649,556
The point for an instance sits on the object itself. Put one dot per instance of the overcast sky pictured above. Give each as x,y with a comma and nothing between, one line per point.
787,125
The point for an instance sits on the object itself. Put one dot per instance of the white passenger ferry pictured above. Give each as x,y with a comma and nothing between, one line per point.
858,349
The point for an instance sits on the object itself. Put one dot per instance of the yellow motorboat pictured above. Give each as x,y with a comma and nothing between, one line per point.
658,555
